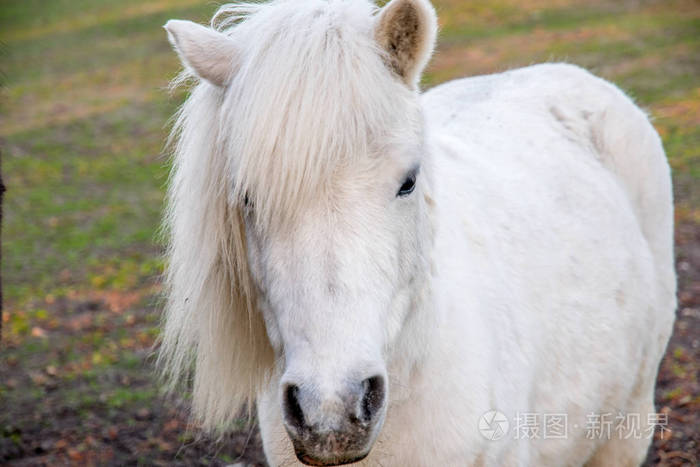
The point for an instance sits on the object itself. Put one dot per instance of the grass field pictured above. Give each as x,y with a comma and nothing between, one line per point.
82,123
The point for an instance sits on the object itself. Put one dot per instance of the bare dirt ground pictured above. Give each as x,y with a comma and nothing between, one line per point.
116,416
677,386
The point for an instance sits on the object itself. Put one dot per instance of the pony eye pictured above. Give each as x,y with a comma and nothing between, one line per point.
408,185
247,203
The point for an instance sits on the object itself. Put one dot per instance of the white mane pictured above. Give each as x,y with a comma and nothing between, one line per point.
310,94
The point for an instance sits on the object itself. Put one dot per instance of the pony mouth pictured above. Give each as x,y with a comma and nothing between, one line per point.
317,454
308,459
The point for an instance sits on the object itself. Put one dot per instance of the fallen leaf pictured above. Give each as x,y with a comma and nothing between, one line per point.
143,414
75,454
112,432
60,444
38,378
171,425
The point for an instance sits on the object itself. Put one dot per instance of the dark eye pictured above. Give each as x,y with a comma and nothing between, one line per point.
247,203
408,185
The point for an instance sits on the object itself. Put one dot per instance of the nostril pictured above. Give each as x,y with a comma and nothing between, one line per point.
292,410
373,398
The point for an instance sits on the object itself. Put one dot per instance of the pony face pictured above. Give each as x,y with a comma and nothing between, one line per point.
305,147
335,289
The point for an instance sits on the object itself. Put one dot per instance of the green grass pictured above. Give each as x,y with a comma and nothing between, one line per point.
85,109
124,396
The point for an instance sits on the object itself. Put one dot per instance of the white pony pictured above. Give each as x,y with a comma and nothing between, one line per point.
377,268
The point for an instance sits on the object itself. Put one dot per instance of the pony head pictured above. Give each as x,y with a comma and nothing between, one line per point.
299,214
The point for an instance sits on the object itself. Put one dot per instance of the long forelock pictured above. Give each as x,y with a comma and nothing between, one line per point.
312,94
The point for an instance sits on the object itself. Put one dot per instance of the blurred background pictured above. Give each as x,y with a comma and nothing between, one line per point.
83,118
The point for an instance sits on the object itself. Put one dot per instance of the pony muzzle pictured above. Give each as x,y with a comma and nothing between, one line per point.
339,428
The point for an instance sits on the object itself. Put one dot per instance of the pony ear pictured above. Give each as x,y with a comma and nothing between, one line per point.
210,54
406,30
